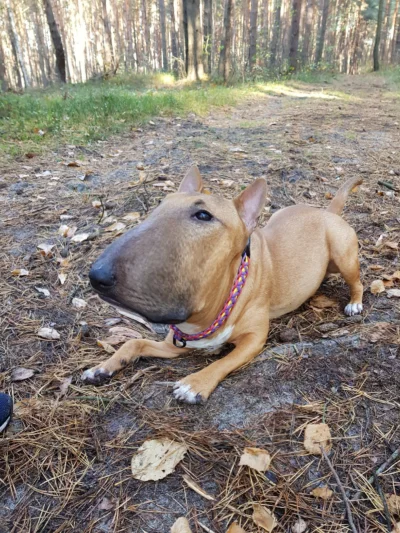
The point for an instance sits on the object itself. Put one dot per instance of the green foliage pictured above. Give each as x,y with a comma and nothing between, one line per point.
79,114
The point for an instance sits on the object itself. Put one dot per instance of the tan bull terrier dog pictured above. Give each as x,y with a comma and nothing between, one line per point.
199,264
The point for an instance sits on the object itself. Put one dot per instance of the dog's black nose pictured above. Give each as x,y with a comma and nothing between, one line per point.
102,277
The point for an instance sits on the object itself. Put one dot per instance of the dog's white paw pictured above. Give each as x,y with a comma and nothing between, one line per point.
96,376
185,394
353,309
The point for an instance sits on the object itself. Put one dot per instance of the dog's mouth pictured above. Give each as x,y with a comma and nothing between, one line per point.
137,317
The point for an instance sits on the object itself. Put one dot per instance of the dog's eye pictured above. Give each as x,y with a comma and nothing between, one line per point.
202,215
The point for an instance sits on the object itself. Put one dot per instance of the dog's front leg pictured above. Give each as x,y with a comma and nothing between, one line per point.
130,351
197,387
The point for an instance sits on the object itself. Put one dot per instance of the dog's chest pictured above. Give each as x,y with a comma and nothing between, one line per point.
214,342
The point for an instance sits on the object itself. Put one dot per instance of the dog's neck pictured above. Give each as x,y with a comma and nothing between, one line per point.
180,337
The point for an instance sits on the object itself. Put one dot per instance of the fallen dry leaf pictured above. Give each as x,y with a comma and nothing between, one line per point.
315,436
79,303
117,226
121,334
43,291
227,183
320,301
20,272
106,346
96,203
376,267
256,458
393,293
235,528
396,528
392,245
393,503
396,275
106,504
130,217
73,164
379,242
181,526
81,237
65,383
194,486
66,231
45,249
62,277
237,149
300,526
263,517
322,492
377,286
156,459
48,333
20,373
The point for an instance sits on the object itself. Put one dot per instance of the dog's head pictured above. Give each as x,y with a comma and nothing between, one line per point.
172,265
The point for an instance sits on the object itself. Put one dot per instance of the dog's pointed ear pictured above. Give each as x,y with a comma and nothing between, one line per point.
250,202
192,182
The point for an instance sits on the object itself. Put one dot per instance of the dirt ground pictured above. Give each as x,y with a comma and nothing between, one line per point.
65,462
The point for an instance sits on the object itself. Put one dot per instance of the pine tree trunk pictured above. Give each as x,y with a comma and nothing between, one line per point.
174,38
395,24
322,32
253,33
224,66
275,33
378,35
294,34
307,33
208,33
264,32
56,39
161,5
17,50
193,40
245,33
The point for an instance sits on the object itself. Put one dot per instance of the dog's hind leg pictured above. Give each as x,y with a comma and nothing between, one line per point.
128,353
344,259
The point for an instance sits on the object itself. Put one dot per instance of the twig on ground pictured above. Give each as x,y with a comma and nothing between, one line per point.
341,488
384,502
392,458
388,185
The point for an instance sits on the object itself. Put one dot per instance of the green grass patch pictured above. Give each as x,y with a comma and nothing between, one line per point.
83,113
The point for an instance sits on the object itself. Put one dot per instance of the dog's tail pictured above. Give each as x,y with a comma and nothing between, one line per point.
337,204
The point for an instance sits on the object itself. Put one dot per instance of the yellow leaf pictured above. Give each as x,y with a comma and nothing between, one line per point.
181,526
264,518
377,286
315,436
20,272
322,492
256,458
107,347
156,459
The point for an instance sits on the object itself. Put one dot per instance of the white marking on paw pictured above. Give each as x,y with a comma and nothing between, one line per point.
89,374
353,309
213,342
184,393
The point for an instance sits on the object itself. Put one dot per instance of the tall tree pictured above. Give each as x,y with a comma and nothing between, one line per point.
253,33
322,31
224,65
17,49
208,33
161,5
56,39
174,38
307,32
193,40
294,34
276,29
378,34
395,36
264,32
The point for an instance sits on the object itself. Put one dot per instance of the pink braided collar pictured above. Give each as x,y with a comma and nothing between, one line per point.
182,338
